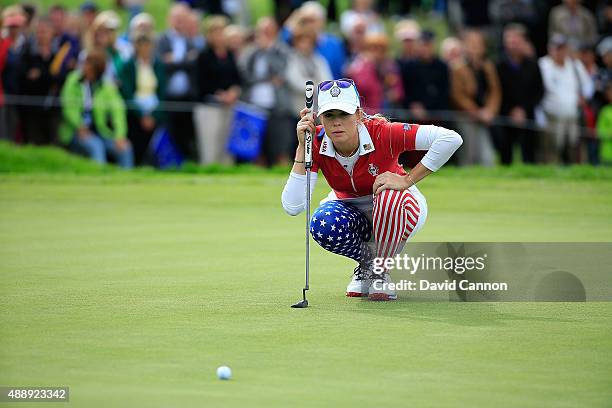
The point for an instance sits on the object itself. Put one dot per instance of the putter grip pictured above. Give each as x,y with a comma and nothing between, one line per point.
308,134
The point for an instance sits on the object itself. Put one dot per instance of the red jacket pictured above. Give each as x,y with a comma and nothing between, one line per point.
379,84
5,44
380,144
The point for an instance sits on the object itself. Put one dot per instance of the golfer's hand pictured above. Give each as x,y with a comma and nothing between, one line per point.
306,123
390,181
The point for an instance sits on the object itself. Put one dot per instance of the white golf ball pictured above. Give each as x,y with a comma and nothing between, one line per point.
224,373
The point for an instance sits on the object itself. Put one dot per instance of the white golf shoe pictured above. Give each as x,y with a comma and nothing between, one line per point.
379,289
360,283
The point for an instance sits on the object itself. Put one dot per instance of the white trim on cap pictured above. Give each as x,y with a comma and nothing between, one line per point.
347,107
365,143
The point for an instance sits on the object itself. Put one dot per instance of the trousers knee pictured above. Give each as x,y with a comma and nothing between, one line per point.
394,199
383,195
94,148
328,221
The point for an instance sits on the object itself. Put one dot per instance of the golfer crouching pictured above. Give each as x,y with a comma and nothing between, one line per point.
372,196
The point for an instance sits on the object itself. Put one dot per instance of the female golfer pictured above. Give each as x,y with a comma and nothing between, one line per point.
374,206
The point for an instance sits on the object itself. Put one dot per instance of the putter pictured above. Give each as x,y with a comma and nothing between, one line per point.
308,165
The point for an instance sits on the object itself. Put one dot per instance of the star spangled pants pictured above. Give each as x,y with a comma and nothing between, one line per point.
360,230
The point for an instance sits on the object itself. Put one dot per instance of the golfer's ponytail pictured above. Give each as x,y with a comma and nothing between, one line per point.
377,116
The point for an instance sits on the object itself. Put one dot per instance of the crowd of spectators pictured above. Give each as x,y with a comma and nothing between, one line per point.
533,76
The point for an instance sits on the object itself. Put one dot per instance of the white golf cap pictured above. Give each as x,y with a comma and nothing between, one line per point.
339,94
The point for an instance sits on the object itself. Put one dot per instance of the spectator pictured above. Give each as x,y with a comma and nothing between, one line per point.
218,78
408,32
531,14
12,44
66,45
575,22
604,73
178,54
328,45
604,127
588,56
75,27
475,91
102,35
265,66
589,108
236,38
604,15
94,114
377,76
88,11
522,90
35,79
451,51
140,24
362,9
354,40
219,87
566,85
425,80
304,64
143,85
29,10
194,22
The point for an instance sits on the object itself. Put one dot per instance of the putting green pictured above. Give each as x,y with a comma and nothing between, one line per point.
131,289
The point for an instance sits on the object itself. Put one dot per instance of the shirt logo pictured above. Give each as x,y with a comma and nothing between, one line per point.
407,127
373,169
324,146
335,91
367,147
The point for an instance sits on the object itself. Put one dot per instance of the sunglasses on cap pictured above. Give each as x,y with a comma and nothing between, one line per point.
343,83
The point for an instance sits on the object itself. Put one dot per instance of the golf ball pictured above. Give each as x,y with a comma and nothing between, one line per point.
224,373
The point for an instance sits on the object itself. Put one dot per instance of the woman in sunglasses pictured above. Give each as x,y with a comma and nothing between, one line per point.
374,206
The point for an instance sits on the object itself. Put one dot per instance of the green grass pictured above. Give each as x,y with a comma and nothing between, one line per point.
131,288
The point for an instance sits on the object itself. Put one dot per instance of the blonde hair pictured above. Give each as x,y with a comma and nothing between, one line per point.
376,116
364,117
101,21
215,22
376,40
13,10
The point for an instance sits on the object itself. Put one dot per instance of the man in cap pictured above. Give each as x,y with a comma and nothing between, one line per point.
566,85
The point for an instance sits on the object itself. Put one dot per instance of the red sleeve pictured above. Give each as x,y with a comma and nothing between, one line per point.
402,137
4,46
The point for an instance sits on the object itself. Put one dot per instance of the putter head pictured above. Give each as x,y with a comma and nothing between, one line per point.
301,304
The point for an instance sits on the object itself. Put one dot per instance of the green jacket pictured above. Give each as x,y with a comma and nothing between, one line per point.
108,109
604,131
127,78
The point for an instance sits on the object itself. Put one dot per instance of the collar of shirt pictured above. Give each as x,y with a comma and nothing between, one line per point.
365,143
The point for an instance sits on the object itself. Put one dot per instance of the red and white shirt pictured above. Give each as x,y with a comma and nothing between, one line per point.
380,144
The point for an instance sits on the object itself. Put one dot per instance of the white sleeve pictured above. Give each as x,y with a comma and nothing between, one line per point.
294,193
440,144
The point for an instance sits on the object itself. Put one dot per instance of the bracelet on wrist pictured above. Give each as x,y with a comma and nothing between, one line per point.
298,161
410,180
